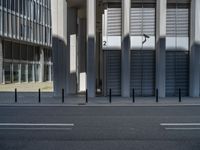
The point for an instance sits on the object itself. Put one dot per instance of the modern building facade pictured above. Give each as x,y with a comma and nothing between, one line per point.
123,45
25,41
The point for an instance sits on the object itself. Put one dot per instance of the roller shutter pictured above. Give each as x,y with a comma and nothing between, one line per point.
143,72
142,19
177,73
114,22
178,20
112,60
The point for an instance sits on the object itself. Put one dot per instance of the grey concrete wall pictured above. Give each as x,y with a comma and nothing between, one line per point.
125,69
161,47
59,44
91,47
195,49
1,62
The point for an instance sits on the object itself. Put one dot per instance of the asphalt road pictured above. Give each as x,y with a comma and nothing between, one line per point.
100,128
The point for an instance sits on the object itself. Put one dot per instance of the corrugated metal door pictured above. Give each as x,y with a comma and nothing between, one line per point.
177,72
143,72
177,54
112,64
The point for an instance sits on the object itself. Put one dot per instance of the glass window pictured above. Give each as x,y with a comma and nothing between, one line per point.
1,22
16,6
15,73
5,23
30,53
46,72
37,54
30,73
20,6
7,50
37,68
7,72
16,51
12,5
23,52
23,72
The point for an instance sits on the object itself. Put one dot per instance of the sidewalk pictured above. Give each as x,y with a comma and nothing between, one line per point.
47,99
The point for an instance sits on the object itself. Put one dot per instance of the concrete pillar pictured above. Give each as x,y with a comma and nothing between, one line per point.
41,73
125,55
72,50
1,62
195,49
59,45
161,47
82,55
91,47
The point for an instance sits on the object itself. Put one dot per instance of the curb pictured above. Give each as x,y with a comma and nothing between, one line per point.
97,105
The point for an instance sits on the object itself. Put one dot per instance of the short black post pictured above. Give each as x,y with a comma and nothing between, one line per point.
15,95
156,95
110,96
63,96
179,95
86,96
133,95
39,96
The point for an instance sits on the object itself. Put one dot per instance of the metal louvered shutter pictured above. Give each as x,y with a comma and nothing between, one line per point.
177,73
114,22
142,19
143,72
178,20
113,72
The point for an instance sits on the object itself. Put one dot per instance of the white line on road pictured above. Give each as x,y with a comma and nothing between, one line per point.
180,124
36,124
35,128
182,128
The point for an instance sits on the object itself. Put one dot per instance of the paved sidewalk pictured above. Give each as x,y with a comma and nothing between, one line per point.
27,87
48,99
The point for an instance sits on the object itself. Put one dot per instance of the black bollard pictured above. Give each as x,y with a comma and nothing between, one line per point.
63,96
133,95
86,96
110,96
156,95
179,95
39,96
15,95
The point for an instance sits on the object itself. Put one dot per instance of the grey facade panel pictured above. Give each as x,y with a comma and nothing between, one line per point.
114,21
177,73
113,72
143,72
178,20
143,19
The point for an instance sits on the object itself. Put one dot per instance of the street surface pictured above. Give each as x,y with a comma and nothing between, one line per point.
100,128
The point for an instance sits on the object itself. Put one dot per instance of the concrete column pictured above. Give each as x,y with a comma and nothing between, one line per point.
125,56
59,45
195,49
82,54
72,50
161,47
1,62
41,73
91,47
